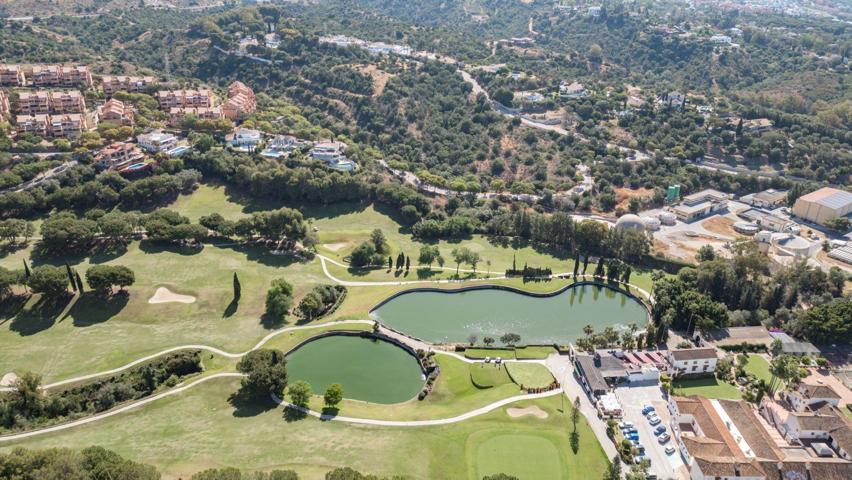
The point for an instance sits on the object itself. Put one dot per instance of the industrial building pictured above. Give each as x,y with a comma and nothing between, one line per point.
823,205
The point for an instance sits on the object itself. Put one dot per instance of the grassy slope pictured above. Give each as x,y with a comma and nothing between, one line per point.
200,429
529,374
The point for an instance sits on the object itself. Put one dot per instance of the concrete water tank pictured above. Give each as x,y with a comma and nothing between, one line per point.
630,222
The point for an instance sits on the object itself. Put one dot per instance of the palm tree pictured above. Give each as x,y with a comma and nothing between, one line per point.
588,330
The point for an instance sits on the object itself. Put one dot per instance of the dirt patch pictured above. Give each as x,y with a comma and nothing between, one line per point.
380,77
721,225
8,380
335,247
533,410
164,295
623,196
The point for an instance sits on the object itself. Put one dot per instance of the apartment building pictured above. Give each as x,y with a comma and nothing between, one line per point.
35,124
177,114
117,112
169,99
118,155
67,125
46,75
4,104
12,76
44,102
75,75
241,102
123,83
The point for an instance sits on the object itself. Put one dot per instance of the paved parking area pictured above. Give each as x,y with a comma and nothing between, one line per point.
633,399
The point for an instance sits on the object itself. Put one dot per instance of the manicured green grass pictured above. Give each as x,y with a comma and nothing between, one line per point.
200,429
480,353
759,367
531,375
706,387
487,375
530,353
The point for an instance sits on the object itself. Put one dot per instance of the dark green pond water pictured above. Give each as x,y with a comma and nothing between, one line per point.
373,371
452,317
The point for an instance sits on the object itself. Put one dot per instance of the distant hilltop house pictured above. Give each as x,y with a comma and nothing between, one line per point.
700,204
272,40
735,31
594,11
522,41
754,126
532,97
282,146
333,154
157,141
246,139
823,205
572,90
674,99
721,39
117,112
121,83
118,155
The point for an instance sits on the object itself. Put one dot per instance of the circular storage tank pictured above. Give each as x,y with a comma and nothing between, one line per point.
667,218
763,236
746,228
651,223
630,222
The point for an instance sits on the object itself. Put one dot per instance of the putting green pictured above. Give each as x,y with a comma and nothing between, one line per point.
524,456
369,370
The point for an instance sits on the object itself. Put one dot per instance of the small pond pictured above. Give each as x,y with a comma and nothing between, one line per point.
369,370
453,316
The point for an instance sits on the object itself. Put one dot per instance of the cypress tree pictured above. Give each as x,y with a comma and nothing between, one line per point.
390,263
238,290
79,281
514,266
71,278
576,264
585,263
407,263
26,269
400,260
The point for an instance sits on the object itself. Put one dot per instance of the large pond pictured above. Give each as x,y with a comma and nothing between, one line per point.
454,316
370,370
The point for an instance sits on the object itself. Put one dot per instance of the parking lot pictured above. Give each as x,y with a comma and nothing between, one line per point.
632,400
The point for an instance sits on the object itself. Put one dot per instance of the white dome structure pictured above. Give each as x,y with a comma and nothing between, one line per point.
651,223
630,222
746,228
667,218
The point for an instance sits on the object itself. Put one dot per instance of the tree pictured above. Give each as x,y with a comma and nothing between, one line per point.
595,53
471,339
839,224
300,393
27,272
488,341
464,255
613,471
266,373
379,241
104,277
500,476
48,280
440,261
407,263
204,142
238,289
510,338
575,413
279,299
400,261
310,306
473,260
705,253
390,263
428,254
333,395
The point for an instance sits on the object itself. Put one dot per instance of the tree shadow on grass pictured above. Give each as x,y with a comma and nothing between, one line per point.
261,255
575,442
40,316
247,406
427,273
111,252
151,247
294,415
231,309
12,306
328,413
270,322
93,308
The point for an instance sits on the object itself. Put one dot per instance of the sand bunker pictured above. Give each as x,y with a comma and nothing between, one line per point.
533,410
164,295
8,380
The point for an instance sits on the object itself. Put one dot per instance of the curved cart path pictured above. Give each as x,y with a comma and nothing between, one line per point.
362,421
